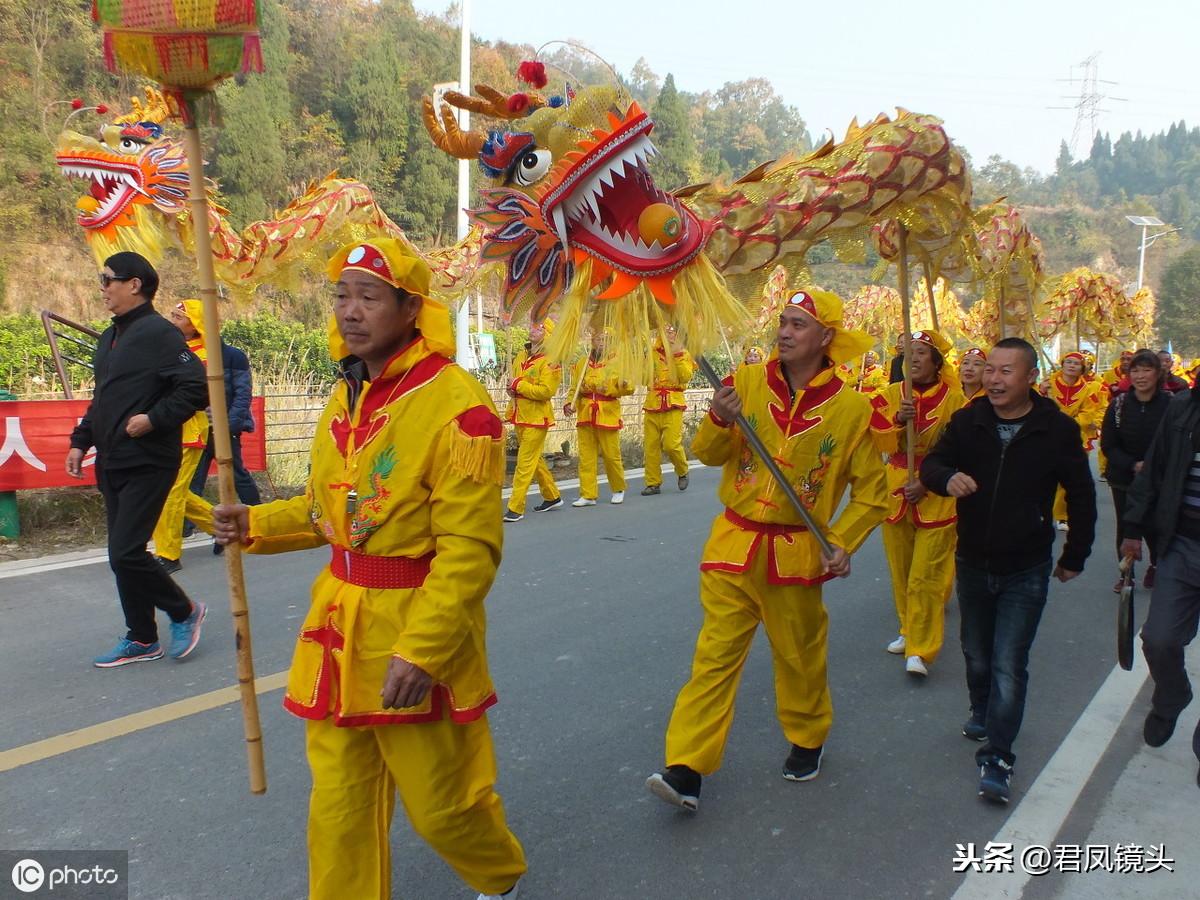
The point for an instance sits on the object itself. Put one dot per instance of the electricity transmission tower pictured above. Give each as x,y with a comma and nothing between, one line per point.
1087,104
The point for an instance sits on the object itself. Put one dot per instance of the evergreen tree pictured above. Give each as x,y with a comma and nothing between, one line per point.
1178,301
677,162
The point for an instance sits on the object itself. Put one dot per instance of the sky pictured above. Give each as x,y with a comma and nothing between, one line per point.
989,69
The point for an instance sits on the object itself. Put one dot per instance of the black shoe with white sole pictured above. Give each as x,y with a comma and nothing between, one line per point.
677,785
510,516
547,505
802,764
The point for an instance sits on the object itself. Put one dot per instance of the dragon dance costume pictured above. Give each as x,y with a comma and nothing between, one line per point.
663,410
405,489
919,539
181,502
760,564
599,424
534,381
1084,401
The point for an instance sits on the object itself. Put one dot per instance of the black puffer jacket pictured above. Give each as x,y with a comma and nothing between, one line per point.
1156,494
142,365
1007,525
1128,429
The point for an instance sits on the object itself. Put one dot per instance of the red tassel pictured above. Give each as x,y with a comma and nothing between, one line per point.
95,10
532,72
252,58
517,102
110,58
76,103
101,109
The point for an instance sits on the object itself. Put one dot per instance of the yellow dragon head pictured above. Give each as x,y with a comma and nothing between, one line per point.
572,186
138,178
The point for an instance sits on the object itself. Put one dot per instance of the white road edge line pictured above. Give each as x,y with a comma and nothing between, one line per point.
22,567
1045,806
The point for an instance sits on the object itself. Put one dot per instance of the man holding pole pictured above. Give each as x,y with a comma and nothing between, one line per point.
918,534
760,563
390,670
599,390
533,383
662,422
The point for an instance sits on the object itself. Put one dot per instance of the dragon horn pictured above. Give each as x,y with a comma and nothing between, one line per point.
447,136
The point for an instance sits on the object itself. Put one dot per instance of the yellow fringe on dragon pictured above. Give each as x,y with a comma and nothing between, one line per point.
138,200
585,235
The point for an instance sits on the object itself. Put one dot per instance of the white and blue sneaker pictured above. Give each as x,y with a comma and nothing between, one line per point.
186,634
127,652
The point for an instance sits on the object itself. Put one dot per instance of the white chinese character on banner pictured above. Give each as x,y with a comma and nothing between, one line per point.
14,444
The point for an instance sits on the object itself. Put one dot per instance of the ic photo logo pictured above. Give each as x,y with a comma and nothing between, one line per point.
69,874
28,875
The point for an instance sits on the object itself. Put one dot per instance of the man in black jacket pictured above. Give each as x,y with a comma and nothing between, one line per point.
147,385
1164,500
1004,461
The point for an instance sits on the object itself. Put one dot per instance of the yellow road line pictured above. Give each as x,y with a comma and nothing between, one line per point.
148,718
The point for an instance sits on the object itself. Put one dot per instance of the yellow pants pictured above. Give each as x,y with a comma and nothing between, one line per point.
921,561
796,624
530,465
168,533
663,431
599,442
444,774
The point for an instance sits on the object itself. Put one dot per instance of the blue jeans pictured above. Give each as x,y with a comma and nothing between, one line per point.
1000,616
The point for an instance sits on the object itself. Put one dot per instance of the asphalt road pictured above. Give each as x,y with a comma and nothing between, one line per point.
592,622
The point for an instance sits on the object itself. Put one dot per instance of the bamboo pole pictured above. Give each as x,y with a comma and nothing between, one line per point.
933,312
816,528
910,430
224,453
1078,330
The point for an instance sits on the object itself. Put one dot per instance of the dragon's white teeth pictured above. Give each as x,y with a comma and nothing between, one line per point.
560,225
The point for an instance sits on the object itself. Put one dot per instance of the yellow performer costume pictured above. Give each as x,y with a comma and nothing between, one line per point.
1085,402
599,422
534,382
405,488
760,564
978,392
663,410
181,502
919,538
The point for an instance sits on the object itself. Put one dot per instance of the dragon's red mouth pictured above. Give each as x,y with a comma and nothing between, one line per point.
594,206
113,184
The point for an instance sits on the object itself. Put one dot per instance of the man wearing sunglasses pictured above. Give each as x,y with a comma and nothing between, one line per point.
148,383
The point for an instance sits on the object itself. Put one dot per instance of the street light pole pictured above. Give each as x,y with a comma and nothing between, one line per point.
1146,222
1142,258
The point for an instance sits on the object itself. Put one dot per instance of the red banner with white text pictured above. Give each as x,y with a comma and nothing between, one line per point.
35,436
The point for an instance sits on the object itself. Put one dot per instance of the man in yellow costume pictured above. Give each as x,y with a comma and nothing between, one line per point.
760,564
188,317
390,670
873,379
599,422
1112,378
662,421
918,534
1085,402
533,383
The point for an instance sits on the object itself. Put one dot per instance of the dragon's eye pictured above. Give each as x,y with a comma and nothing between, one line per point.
129,145
531,167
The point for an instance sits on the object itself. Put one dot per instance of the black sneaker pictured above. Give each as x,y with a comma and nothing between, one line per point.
683,482
651,489
218,549
1158,729
802,764
510,516
994,776
547,505
677,785
974,728
170,566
